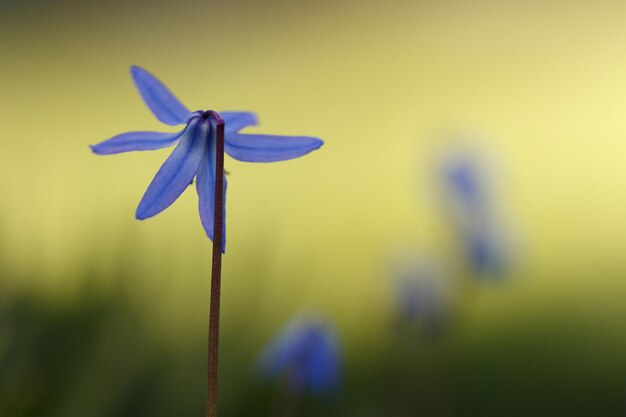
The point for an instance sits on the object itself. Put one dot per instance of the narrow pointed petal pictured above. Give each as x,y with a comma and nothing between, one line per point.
237,120
158,98
205,185
177,172
135,141
267,148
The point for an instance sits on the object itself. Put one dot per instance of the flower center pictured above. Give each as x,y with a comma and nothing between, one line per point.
211,114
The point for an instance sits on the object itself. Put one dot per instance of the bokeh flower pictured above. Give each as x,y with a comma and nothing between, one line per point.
473,207
422,294
306,352
194,155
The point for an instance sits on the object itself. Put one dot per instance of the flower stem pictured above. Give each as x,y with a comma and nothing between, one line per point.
216,272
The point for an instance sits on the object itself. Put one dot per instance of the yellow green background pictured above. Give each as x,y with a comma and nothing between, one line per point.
539,88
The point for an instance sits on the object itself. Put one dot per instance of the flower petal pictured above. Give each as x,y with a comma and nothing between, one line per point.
307,353
237,120
287,350
267,148
486,252
205,185
177,172
161,101
323,367
465,183
135,141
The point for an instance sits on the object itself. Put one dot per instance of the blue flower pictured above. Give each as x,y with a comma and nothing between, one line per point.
465,182
422,292
307,353
485,251
472,205
194,155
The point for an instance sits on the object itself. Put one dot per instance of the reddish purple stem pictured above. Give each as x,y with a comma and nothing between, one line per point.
216,272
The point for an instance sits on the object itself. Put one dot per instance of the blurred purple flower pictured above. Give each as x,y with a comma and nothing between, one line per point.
464,179
306,352
422,294
485,252
194,156
470,195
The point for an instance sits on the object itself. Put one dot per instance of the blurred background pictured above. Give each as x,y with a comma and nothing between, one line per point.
461,229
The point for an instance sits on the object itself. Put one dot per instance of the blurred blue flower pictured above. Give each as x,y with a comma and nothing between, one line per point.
422,294
306,352
464,180
194,156
472,204
485,251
